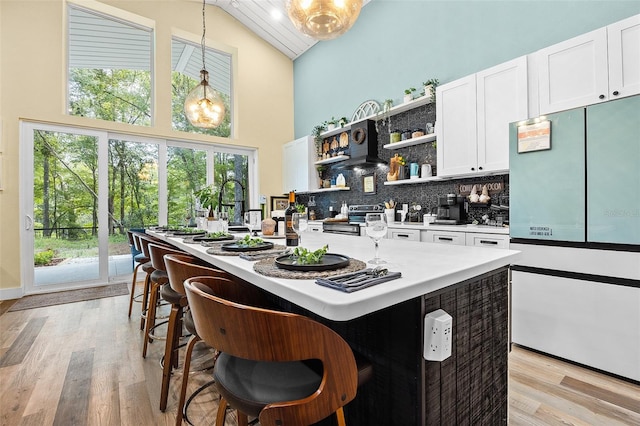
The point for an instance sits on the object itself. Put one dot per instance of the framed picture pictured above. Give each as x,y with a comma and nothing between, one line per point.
534,137
369,184
279,203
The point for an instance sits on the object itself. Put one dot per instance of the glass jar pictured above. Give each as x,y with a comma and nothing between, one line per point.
417,133
394,136
406,134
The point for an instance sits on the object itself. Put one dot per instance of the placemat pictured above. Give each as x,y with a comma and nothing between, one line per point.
217,250
268,267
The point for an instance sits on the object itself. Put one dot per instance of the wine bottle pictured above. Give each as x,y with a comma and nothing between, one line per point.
291,236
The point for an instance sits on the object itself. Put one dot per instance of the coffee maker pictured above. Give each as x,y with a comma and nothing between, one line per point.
452,210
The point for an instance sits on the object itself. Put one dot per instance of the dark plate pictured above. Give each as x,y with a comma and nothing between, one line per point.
235,247
329,261
184,233
207,238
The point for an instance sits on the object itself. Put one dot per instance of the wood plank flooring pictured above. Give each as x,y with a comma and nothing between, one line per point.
81,364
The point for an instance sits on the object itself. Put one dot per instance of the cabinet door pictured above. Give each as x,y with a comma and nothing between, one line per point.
404,234
487,240
501,99
456,127
443,237
574,73
623,40
298,172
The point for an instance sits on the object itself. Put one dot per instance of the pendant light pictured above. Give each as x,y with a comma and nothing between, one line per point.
323,19
203,106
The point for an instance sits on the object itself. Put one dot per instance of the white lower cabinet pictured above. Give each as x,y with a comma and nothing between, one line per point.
487,240
443,237
404,234
314,227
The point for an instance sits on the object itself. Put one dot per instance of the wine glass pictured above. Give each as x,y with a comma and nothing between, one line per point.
299,223
376,229
251,220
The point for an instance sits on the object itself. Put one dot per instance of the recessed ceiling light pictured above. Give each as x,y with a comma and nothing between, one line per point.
276,14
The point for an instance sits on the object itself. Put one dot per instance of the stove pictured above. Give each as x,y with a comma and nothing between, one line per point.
358,213
355,218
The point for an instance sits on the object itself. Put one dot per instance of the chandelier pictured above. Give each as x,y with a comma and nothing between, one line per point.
323,19
203,106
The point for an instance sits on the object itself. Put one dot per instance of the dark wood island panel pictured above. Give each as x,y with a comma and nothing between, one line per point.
468,388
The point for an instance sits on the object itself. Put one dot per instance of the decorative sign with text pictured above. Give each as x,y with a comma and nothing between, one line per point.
493,187
534,137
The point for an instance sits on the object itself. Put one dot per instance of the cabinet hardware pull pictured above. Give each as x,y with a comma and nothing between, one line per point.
403,235
445,238
473,168
479,168
616,93
488,242
601,96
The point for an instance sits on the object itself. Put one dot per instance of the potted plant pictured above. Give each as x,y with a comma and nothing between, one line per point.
321,168
331,124
206,197
317,139
430,88
408,94
343,121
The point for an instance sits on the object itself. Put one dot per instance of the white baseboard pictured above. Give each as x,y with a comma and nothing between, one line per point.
11,293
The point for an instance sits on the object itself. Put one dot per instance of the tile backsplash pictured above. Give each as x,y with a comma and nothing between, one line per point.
424,194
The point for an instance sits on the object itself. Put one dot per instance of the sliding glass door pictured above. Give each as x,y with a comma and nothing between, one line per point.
81,190
65,236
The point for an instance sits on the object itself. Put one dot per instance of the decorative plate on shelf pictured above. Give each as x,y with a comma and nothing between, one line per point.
242,247
328,262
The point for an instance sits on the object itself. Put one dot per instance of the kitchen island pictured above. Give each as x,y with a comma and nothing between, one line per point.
386,323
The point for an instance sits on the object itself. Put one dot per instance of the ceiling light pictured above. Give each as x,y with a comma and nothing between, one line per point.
276,14
323,19
203,106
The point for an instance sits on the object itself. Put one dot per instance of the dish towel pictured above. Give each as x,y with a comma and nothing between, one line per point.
359,285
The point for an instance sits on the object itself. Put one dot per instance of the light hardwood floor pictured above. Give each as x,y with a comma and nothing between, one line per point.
81,364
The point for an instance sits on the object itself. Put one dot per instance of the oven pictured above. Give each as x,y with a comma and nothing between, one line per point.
356,218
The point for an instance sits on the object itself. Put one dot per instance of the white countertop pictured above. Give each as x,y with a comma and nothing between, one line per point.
425,267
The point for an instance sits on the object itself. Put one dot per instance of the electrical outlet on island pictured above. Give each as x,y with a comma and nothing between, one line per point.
438,335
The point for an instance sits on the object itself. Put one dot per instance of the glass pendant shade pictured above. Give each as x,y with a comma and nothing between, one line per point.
203,106
323,19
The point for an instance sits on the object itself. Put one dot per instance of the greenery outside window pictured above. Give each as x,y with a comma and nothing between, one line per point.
109,75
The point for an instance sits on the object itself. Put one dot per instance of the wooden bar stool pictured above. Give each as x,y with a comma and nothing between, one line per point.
138,260
159,278
179,268
144,240
268,363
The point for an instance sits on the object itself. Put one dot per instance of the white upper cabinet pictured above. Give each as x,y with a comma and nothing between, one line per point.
501,99
456,126
595,67
474,115
298,172
623,40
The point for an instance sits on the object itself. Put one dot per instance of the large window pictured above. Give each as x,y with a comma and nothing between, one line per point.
109,73
186,63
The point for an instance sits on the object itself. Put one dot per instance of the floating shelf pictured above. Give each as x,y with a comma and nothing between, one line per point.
335,131
337,188
397,109
335,159
412,181
410,142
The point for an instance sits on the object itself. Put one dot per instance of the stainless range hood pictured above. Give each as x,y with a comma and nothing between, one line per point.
363,146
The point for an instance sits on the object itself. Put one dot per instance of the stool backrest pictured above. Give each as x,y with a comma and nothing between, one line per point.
231,326
182,266
144,240
157,253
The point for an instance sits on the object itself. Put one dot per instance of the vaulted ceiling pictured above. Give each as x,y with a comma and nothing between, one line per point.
269,20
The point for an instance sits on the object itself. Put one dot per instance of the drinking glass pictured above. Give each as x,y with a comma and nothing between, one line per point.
376,229
251,220
299,223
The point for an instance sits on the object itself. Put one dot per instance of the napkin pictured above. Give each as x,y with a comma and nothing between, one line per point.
368,282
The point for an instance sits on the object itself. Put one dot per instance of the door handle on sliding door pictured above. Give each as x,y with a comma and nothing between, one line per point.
28,223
